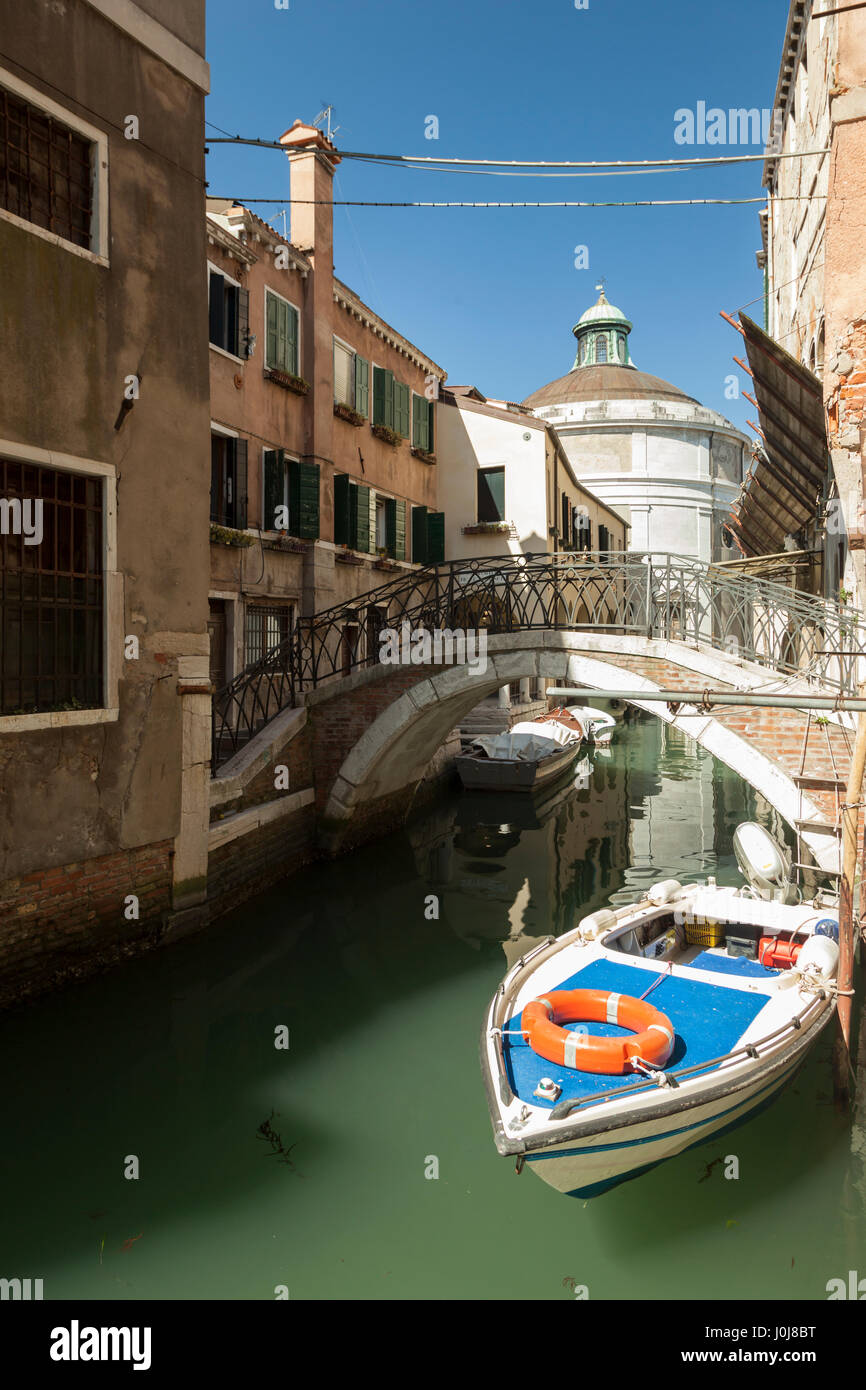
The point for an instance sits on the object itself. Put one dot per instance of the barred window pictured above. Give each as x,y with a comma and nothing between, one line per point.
267,627
51,589
46,171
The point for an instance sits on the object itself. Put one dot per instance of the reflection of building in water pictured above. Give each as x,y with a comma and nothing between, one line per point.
514,868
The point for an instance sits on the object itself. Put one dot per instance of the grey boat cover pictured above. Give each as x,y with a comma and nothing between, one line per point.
519,745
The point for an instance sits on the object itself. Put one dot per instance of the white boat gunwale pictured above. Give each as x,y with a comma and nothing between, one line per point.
734,1080
730,1073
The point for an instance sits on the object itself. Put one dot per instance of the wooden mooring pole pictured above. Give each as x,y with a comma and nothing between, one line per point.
847,934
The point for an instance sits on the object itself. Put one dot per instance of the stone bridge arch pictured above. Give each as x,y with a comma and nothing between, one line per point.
375,733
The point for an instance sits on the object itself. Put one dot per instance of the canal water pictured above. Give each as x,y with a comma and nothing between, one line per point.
358,1162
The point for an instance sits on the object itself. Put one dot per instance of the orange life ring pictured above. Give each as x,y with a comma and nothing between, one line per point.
654,1040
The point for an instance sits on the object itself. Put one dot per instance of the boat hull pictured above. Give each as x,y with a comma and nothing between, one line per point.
513,774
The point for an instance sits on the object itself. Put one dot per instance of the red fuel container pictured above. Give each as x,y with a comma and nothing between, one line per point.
776,954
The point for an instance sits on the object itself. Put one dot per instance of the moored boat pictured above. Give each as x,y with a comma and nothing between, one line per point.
650,1029
530,753
599,726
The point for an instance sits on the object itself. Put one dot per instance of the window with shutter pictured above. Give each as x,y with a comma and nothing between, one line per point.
216,306
361,496
274,487
435,537
362,385
422,423
303,488
383,397
491,494
241,347
342,529
344,375
240,484
228,313
281,339
400,531
419,535
402,406
390,541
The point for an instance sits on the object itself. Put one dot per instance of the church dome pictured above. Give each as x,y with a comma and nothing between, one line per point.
606,383
603,369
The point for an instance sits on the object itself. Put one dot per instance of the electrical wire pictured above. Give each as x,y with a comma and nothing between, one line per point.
645,203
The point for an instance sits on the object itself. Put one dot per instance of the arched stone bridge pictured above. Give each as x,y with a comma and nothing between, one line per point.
357,735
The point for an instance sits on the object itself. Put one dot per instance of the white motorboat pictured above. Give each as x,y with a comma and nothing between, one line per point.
598,724
653,1028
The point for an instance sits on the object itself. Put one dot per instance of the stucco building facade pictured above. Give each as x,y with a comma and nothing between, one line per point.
323,425
812,256
103,440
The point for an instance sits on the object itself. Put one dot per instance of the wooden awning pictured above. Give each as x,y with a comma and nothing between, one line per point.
780,495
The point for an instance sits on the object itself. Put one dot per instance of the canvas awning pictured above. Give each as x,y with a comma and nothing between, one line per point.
781,493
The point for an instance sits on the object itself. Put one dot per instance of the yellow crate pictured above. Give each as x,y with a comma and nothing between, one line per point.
701,932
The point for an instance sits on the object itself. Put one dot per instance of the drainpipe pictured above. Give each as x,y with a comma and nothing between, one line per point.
845,979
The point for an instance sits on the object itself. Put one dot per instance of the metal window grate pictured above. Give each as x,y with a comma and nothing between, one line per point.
46,173
51,592
266,628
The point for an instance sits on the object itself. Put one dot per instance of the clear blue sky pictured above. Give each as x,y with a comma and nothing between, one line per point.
492,295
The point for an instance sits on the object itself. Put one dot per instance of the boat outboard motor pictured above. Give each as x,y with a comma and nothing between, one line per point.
764,864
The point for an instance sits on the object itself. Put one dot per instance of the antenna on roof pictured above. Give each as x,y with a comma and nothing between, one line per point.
325,115
282,214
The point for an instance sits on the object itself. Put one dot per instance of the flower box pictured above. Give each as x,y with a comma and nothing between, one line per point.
288,543
288,381
423,455
227,535
488,528
345,412
347,557
390,436
384,564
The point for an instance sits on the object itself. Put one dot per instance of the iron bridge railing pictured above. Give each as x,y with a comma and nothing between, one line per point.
650,594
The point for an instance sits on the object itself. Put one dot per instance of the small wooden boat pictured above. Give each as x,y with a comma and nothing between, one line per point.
653,1028
530,753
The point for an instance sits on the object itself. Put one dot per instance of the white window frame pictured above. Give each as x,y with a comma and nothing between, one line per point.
355,355
98,250
223,352
268,366
113,609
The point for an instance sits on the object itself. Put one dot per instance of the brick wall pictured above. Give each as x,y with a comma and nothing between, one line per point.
243,867
64,923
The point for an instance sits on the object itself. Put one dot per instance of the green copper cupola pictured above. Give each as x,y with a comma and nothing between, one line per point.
602,335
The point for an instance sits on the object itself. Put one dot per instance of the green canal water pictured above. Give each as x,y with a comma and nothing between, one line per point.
172,1059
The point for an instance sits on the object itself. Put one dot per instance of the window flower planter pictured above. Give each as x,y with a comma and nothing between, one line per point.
488,528
345,412
226,535
383,563
288,381
423,455
390,436
287,543
347,557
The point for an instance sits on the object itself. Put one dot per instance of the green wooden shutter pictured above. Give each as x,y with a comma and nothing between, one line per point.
402,406
362,385
240,484
400,531
431,440
243,329
304,499
293,364
435,537
383,397
417,432
373,541
391,526
342,509
361,496
274,491
419,535
217,309
272,334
